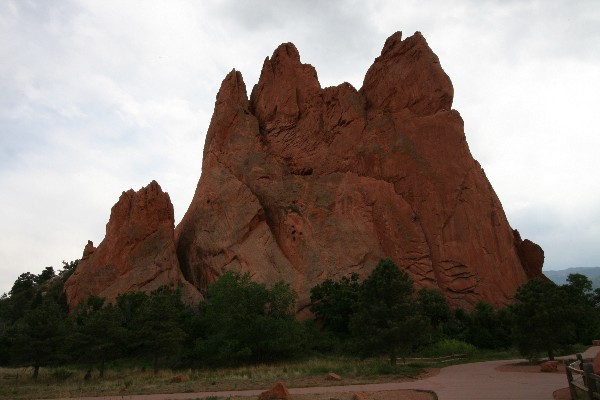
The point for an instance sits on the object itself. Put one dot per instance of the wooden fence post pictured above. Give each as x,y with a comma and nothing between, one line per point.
570,381
589,381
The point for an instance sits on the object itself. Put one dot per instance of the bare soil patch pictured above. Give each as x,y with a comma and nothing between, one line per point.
562,394
522,367
382,395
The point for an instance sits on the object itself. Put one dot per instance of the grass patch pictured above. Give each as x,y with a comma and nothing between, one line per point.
69,382
124,380
61,374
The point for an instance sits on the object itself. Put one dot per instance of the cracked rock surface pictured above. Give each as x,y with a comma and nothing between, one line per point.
301,183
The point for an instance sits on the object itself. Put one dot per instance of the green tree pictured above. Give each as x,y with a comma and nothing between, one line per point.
489,328
158,327
541,319
244,321
37,338
387,317
47,274
4,326
28,293
21,297
97,333
581,303
434,306
68,269
130,306
458,325
334,302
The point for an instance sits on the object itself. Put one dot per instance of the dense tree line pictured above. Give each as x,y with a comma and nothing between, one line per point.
382,313
243,322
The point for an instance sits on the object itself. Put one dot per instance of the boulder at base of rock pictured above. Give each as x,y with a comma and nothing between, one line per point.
277,392
333,377
137,253
549,366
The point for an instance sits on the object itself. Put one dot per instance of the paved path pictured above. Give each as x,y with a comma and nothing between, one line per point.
475,381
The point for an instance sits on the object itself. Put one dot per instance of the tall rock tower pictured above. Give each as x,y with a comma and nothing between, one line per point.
301,183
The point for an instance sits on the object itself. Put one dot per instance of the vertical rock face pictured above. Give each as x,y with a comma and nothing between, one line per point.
138,252
302,183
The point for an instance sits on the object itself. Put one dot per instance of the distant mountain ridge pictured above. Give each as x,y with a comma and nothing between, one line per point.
560,277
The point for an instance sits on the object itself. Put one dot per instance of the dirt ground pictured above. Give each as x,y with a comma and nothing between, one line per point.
386,395
561,394
528,368
380,395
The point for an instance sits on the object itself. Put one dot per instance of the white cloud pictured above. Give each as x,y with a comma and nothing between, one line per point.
99,97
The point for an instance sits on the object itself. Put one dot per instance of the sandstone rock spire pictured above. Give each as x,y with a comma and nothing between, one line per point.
302,183
137,253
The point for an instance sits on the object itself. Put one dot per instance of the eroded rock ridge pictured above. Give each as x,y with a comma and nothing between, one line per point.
137,253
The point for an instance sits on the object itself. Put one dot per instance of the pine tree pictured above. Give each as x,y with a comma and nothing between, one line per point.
387,317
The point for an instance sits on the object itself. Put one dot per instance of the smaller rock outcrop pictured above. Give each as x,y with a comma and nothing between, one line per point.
333,377
137,253
279,391
549,366
531,255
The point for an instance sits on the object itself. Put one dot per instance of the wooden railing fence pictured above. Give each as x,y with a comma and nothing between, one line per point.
582,380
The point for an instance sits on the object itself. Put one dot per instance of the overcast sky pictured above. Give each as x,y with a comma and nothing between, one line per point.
97,97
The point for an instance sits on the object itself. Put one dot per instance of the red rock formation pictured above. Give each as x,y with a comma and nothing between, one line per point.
549,366
531,255
138,252
302,183
279,391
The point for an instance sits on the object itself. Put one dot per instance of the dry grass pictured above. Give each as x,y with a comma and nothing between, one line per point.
65,382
